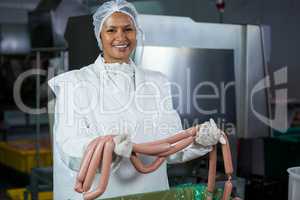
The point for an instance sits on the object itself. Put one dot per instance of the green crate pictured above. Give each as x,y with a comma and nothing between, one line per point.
183,192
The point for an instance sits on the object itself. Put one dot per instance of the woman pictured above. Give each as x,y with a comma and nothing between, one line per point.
113,96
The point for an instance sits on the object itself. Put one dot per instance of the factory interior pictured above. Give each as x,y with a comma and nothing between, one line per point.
235,61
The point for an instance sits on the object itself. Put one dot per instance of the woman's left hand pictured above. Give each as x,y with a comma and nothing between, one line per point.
209,134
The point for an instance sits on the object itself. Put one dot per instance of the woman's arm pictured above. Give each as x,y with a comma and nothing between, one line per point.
191,152
70,133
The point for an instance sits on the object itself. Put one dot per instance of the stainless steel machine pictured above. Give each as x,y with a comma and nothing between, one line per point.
210,59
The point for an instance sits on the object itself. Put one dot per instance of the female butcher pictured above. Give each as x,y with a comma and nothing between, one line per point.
115,127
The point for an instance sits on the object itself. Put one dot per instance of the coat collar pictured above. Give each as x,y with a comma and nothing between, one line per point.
98,67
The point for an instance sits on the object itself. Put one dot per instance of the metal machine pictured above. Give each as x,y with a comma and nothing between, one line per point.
212,55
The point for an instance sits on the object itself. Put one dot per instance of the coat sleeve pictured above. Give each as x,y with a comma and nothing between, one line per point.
70,132
170,123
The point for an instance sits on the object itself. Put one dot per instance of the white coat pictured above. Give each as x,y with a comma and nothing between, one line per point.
89,104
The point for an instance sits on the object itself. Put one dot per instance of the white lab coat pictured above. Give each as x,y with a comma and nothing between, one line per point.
88,105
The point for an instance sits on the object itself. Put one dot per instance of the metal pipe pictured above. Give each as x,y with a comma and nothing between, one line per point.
37,144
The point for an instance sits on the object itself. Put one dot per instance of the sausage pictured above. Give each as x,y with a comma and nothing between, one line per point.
105,171
140,167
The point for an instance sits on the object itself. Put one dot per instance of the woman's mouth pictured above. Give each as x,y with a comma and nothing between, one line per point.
121,47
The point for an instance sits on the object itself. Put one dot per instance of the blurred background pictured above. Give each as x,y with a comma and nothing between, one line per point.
248,49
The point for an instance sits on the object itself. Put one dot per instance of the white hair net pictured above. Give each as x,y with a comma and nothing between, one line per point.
107,9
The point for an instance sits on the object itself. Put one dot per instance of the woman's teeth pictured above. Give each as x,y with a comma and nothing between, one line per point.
121,46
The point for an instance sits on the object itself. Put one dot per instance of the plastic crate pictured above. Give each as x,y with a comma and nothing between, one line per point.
18,194
187,191
21,155
294,183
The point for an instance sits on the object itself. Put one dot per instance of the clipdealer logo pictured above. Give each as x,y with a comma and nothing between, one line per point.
279,122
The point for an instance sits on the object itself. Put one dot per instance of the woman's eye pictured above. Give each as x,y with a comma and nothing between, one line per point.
128,29
110,30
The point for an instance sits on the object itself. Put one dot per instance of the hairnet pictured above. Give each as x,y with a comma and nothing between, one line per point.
107,9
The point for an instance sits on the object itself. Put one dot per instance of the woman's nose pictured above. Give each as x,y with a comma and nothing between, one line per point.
120,35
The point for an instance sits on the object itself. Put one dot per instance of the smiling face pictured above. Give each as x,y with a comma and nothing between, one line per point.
118,36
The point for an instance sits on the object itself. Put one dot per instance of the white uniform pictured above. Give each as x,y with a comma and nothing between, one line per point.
97,100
